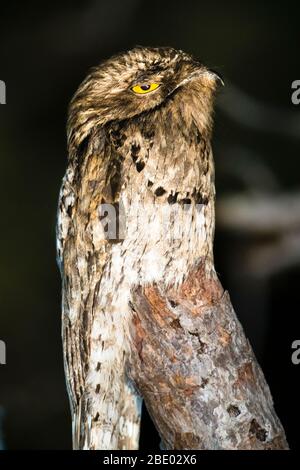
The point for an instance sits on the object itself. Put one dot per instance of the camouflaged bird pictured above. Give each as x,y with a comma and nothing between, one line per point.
139,132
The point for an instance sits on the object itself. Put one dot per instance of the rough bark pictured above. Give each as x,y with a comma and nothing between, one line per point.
196,370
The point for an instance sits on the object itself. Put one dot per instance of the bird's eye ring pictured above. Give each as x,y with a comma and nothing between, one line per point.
144,88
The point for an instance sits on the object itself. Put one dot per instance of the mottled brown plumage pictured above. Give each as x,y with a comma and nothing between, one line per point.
152,149
143,154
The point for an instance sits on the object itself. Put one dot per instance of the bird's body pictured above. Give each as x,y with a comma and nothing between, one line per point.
147,156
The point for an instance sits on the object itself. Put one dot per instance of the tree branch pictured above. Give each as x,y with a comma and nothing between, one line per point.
196,370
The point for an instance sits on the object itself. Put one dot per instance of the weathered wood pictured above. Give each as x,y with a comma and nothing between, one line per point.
196,370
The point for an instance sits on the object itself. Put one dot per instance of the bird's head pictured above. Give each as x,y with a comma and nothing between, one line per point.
135,82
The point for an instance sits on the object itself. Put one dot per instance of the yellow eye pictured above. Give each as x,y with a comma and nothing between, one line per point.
145,88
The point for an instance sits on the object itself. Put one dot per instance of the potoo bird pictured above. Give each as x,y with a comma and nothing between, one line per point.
139,131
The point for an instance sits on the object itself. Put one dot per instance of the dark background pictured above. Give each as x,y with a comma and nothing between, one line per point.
45,51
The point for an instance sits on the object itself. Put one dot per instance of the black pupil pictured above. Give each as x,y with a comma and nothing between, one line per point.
145,87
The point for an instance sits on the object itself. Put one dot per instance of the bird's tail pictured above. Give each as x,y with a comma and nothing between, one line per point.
100,423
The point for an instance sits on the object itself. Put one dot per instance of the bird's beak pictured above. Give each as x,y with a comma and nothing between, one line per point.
212,78
217,77
208,75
